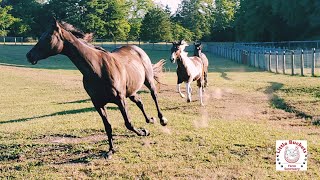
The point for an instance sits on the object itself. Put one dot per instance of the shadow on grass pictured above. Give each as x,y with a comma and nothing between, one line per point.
224,75
280,103
69,112
75,102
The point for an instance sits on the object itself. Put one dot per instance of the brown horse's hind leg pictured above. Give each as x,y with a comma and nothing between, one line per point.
150,85
124,112
136,99
107,127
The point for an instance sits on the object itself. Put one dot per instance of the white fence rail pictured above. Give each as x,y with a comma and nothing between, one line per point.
302,62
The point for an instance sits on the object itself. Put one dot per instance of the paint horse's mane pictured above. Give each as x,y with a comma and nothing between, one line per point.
85,37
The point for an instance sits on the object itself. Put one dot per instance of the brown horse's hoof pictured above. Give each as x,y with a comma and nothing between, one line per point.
109,154
151,120
163,121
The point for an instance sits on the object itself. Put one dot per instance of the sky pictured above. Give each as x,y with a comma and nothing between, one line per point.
173,4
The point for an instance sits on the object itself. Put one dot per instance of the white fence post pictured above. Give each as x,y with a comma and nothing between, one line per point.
269,62
284,62
313,62
302,63
292,63
277,62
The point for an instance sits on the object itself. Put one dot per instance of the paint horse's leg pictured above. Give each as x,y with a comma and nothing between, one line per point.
200,84
179,91
136,99
150,85
123,108
200,95
188,88
107,126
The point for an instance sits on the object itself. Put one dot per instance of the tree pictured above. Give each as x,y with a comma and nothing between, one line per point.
108,19
28,11
71,11
195,15
6,19
138,9
156,26
222,28
180,33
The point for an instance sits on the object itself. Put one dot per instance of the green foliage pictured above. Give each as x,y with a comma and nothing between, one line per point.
156,26
28,11
277,20
195,15
68,10
6,19
223,20
138,9
108,19
179,33
218,20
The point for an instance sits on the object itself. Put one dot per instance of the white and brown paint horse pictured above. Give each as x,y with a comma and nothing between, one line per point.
189,69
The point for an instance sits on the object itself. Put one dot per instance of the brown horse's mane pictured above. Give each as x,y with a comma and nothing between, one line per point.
85,37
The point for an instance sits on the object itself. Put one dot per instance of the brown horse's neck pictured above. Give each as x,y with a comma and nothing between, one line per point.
80,54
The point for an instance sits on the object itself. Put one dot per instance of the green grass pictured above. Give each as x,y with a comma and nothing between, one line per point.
49,130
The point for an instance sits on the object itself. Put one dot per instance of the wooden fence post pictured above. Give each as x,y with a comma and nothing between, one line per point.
277,62
302,63
292,63
284,62
269,62
313,62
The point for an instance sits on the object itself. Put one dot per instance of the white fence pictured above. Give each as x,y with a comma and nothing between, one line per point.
279,60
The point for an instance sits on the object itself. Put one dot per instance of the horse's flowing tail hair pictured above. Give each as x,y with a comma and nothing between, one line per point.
158,70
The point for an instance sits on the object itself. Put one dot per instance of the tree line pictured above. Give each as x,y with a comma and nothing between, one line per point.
205,20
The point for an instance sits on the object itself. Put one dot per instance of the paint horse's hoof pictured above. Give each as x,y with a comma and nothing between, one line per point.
143,132
182,95
188,100
163,121
151,120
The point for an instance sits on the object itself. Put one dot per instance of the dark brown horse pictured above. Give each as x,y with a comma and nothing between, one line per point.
198,52
108,77
189,69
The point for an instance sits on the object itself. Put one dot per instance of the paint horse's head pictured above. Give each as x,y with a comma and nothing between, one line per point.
177,48
197,49
52,41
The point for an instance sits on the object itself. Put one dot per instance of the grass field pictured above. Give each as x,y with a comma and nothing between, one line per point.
49,130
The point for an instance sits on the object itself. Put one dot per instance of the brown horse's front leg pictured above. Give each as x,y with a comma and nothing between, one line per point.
108,128
124,112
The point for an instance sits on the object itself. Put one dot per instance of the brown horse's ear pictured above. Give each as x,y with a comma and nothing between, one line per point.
88,37
54,23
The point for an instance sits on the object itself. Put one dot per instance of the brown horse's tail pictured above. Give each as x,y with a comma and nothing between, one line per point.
158,70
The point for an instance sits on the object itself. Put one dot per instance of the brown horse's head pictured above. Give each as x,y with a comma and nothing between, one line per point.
177,48
197,49
51,42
